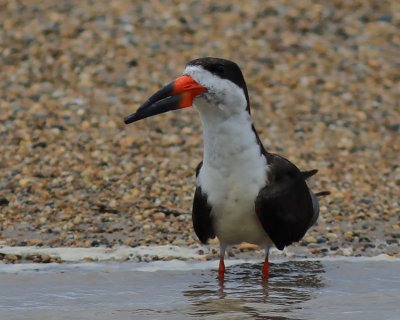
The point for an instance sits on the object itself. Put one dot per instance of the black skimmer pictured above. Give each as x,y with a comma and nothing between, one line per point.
244,193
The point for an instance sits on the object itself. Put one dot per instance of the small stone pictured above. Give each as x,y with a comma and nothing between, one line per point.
374,63
4,201
46,259
179,242
329,86
43,220
347,252
170,140
348,235
321,240
78,219
146,227
66,216
248,246
12,258
159,216
35,242
310,239
331,235
130,242
213,241
25,182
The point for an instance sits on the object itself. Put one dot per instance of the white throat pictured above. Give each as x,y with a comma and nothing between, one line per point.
231,152
230,144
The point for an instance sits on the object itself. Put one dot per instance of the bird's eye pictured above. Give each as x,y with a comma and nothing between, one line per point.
220,69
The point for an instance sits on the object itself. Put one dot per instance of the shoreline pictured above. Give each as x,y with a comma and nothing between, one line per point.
153,253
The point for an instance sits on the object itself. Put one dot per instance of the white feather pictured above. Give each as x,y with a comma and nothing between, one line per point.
234,170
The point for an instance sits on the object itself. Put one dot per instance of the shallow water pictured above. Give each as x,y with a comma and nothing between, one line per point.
308,289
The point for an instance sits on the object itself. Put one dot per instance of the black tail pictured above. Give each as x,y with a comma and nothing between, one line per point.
322,193
308,174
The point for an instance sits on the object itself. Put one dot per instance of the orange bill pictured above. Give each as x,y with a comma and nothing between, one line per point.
176,95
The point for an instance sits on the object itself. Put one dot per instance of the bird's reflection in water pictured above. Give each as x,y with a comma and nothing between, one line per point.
244,295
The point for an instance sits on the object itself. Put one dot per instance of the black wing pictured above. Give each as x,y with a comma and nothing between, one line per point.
201,214
285,206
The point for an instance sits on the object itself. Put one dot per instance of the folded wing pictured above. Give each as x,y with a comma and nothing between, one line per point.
286,207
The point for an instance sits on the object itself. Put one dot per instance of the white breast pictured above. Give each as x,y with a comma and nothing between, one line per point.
233,172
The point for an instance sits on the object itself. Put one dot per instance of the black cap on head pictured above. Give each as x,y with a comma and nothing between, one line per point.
225,69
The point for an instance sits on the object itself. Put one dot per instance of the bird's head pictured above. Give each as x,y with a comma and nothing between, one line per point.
210,84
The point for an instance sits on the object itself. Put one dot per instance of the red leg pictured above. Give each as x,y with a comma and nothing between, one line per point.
265,269
221,269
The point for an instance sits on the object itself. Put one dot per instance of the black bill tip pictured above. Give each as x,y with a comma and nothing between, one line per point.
149,108
131,118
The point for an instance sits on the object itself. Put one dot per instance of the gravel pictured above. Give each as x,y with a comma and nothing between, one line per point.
324,83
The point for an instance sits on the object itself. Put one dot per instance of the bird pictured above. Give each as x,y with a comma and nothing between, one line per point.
243,192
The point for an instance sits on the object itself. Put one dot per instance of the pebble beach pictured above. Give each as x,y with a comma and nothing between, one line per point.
324,86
